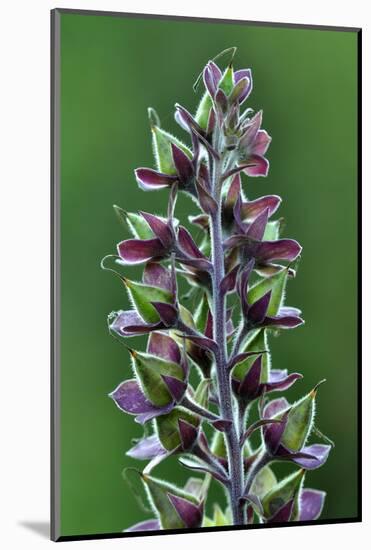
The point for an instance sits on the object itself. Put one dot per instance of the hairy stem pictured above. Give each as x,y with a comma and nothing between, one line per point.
235,466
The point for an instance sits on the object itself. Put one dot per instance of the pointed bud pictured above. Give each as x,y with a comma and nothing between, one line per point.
300,422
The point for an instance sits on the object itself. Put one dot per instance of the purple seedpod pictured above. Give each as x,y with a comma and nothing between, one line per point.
311,504
129,323
177,388
282,249
167,312
229,326
222,425
257,228
242,285
284,319
274,407
208,332
136,251
203,342
188,434
129,398
251,128
233,191
207,202
317,456
163,346
186,120
251,209
262,142
273,433
250,385
240,225
160,228
146,525
155,274
283,515
187,244
257,311
204,176
221,101
257,166
244,73
191,514
202,220
146,448
182,164
210,80
228,283
279,380
217,73
150,180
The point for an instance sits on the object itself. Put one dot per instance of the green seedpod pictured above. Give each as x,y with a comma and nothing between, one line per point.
286,490
186,316
137,225
205,245
167,427
263,482
300,422
162,142
272,230
219,517
203,110
257,341
218,446
276,284
201,313
227,81
142,295
148,369
201,396
157,491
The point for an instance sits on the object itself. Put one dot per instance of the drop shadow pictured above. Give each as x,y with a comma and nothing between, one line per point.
41,528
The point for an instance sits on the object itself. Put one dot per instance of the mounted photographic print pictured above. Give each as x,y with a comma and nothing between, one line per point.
205,206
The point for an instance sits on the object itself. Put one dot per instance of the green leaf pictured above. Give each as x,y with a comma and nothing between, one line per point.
157,491
299,422
137,225
203,110
149,369
162,141
141,295
284,491
257,341
167,426
277,284
264,482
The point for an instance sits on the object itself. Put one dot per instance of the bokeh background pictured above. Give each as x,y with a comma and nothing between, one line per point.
112,69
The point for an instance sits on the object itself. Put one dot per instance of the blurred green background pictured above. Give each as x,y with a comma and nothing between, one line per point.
305,80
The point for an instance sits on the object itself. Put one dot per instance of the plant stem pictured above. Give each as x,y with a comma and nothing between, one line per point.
235,466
